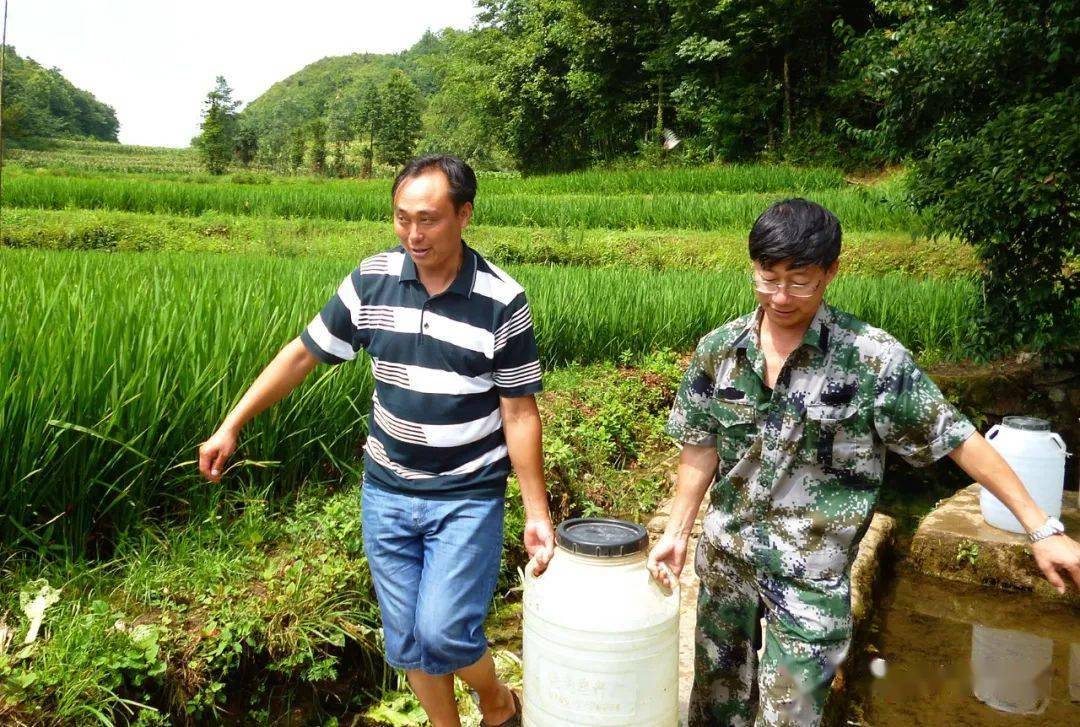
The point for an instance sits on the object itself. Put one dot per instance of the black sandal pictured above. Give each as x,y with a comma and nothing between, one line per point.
513,720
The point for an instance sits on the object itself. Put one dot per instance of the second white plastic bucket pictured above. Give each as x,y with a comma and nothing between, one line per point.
1037,455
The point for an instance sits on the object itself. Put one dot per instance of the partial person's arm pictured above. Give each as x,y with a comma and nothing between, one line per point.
283,374
697,468
691,422
330,337
916,421
518,378
521,425
1057,555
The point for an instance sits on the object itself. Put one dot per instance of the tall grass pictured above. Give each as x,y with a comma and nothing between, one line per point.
181,621
857,207
689,180
115,366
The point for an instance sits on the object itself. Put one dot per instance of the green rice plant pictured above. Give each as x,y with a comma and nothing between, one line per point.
115,366
864,252
858,208
758,178
585,315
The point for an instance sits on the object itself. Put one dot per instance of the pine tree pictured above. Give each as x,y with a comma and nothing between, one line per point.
218,128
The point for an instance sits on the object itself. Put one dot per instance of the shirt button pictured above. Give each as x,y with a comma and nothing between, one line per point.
427,325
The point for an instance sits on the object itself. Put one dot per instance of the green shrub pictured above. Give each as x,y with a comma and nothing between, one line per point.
183,618
1013,191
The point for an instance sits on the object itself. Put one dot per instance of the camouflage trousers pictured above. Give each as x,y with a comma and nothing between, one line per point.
807,633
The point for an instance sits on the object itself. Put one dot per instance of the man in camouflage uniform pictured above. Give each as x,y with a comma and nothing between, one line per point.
784,416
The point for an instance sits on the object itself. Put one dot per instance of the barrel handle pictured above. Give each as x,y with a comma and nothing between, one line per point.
676,590
992,432
1056,439
530,569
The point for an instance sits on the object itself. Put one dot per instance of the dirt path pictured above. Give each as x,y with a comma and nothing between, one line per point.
688,582
687,625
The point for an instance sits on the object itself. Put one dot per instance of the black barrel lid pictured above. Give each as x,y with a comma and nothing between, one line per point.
601,537
1031,424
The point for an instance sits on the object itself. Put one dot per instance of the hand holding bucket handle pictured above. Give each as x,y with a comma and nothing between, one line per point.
530,569
673,582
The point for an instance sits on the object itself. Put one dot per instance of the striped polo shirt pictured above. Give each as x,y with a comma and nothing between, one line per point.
440,364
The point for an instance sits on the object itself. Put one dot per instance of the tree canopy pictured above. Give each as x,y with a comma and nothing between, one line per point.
977,98
40,102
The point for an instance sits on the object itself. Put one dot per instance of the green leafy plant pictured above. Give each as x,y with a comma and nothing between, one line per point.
967,553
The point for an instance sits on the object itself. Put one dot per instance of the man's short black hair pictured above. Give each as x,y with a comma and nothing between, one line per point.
460,175
797,230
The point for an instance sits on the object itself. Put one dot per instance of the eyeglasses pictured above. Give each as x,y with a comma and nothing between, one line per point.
795,290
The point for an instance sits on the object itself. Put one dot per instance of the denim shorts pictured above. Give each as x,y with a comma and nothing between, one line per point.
435,564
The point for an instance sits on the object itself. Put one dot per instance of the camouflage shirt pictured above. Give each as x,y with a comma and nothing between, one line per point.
801,464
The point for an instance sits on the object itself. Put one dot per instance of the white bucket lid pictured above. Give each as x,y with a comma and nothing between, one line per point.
1030,424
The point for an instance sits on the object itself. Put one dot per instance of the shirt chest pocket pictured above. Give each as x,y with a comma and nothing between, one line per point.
840,440
736,428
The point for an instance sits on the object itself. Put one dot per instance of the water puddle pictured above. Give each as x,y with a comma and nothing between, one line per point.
960,654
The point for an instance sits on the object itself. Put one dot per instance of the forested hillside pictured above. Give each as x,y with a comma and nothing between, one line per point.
40,102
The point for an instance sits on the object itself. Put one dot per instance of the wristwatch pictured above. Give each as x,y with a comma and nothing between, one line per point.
1051,527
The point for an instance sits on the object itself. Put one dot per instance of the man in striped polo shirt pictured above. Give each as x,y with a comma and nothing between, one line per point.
454,357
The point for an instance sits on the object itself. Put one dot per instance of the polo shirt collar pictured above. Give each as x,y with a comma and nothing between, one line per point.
464,282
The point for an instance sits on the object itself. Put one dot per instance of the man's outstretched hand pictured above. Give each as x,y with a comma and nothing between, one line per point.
214,453
1055,556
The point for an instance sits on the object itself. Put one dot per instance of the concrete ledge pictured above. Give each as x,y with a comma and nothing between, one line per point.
955,543
866,569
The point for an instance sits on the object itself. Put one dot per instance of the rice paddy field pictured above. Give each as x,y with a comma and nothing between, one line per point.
139,297
675,204
137,306
103,156
117,366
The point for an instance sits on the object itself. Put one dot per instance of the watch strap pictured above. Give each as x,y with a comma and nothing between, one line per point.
1051,527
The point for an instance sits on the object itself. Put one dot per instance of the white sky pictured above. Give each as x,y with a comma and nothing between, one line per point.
154,60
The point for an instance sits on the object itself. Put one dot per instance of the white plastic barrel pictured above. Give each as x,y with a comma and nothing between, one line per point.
601,636
1011,670
1037,455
